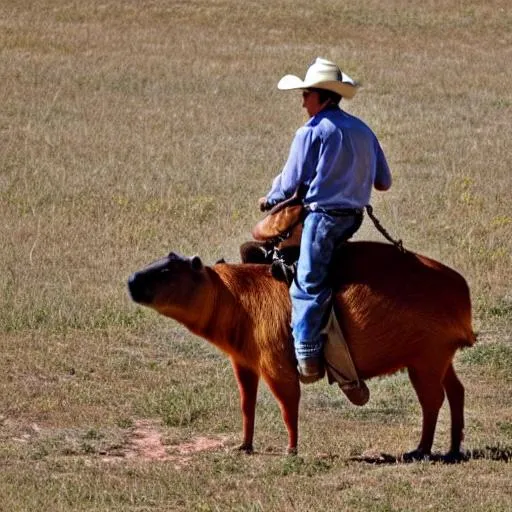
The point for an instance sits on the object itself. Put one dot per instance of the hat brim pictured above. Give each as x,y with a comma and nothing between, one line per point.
347,88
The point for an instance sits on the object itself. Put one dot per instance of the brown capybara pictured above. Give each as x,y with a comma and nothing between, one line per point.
397,310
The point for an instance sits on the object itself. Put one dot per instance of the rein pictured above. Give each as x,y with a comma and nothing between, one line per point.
397,243
295,201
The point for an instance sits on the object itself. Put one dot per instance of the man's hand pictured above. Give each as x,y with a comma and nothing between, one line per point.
262,202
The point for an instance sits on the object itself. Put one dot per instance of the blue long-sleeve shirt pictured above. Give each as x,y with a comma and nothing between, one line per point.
338,157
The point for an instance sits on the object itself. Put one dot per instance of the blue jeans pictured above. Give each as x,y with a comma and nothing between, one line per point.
310,292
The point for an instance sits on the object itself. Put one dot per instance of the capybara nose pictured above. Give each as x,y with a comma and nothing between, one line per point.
138,291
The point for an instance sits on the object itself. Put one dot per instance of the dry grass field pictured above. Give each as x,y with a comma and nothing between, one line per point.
131,128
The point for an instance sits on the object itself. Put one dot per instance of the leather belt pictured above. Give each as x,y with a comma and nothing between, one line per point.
339,212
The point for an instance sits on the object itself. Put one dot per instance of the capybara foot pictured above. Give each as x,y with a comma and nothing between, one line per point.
292,451
245,448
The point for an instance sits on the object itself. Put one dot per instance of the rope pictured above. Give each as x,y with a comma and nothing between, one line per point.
397,243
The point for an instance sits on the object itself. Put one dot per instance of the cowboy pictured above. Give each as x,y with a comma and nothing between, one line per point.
337,159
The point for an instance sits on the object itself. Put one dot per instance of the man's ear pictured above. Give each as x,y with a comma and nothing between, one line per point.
196,263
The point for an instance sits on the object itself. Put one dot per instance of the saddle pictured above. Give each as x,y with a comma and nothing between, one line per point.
277,241
338,361
281,220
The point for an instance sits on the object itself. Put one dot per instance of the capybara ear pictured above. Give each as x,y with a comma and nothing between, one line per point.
196,263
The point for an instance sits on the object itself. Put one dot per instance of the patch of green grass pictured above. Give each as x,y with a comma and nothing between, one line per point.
502,309
183,407
68,315
505,428
493,356
195,396
294,465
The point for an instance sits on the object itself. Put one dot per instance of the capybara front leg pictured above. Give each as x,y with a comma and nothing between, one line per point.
455,393
287,393
429,389
248,387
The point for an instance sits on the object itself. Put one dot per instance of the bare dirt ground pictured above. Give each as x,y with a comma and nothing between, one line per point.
145,442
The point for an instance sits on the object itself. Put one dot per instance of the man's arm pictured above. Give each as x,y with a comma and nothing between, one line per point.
298,168
383,174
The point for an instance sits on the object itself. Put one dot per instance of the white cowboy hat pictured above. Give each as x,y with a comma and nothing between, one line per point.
322,74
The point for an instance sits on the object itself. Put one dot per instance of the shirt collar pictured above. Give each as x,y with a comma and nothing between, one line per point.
326,112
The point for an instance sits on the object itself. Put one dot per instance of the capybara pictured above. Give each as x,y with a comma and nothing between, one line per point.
397,310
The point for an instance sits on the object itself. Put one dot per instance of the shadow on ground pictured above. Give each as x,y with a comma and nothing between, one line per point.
496,453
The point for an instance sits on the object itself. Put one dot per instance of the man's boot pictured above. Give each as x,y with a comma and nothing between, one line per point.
310,369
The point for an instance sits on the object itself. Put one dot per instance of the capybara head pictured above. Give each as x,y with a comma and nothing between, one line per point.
168,284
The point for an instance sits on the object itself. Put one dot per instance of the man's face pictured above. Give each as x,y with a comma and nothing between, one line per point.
311,102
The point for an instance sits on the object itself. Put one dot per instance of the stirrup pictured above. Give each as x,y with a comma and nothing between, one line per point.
282,272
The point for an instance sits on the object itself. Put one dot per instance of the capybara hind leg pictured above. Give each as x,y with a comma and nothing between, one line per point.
287,393
455,393
248,387
429,388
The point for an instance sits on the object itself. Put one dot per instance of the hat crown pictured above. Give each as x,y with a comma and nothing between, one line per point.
322,74
323,70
